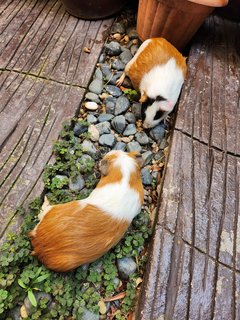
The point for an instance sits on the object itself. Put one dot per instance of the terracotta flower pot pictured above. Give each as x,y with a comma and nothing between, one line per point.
92,10
175,20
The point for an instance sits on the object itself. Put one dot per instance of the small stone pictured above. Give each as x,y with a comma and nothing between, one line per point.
147,157
118,65
126,56
132,33
113,48
91,105
158,132
89,315
102,58
120,146
96,86
30,309
113,90
80,128
112,80
105,117
134,146
98,74
106,70
83,162
130,117
142,138
122,104
126,38
89,148
14,313
91,119
134,49
126,267
77,184
163,143
117,36
125,139
118,27
130,129
107,140
146,177
119,123
110,104
116,281
137,110
93,132
103,127
92,97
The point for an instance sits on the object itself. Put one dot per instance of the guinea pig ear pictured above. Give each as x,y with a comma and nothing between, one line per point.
138,158
104,166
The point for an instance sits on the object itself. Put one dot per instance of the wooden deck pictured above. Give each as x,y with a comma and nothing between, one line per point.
44,73
194,265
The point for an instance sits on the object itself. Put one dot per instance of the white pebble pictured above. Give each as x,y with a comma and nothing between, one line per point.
91,105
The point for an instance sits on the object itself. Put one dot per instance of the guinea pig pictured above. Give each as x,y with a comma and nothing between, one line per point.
78,232
158,71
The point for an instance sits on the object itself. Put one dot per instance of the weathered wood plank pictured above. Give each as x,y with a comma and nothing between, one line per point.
209,108
34,110
44,40
199,210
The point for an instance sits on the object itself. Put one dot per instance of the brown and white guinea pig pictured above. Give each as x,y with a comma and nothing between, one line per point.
158,71
74,233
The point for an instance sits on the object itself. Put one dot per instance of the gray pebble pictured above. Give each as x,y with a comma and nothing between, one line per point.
113,90
107,140
122,104
163,143
91,119
158,155
115,77
134,49
96,86
126,56
130,130
132,33
89,315
61,177
92,97
105,117
110,104
15,314
89,148
126,267
118,65
118,27
79,128
130,117
113,48
102,58
158,132
146,177
120,146
147,157
77,184
142,138
106,70
136,110
103,127
98,74
29,307
119,123
134,146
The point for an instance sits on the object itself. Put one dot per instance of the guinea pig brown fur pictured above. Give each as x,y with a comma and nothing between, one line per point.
158,71
74,233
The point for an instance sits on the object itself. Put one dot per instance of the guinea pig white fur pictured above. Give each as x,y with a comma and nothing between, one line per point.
158,71
74,233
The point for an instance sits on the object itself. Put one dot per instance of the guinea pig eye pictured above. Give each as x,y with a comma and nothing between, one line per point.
158,115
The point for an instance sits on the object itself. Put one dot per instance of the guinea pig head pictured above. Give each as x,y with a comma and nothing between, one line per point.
155,110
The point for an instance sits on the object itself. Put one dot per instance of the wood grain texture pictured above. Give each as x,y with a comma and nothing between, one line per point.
209,109
190,275
44,72
41,38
